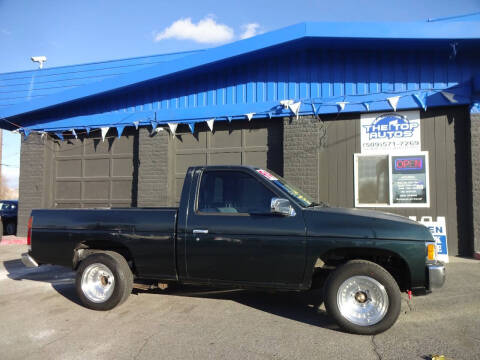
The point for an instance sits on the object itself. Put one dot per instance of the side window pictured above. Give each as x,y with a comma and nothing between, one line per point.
232,192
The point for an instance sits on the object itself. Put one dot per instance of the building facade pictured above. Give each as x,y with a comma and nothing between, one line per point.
367,115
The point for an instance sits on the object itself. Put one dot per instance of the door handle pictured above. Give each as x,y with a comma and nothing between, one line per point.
200,231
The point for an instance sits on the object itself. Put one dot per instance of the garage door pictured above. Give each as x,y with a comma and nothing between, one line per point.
93,173
258,143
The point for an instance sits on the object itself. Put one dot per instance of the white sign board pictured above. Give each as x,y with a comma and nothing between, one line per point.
384,133
439,231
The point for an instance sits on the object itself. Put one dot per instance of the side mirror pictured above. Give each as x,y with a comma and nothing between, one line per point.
282,207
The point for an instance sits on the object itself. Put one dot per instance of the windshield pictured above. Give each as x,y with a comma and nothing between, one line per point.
303,199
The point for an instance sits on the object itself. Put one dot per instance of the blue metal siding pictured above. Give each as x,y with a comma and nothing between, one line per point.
312,74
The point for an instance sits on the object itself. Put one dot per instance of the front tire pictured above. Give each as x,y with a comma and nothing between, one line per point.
104,280
362,297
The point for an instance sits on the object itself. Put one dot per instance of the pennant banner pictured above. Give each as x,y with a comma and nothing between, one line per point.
120,130
341,105
367,106
393,101
173,128
74,133
449,96
191,125
421,99
136,123
249,116
26,132
87,129
59,135
286,103
314,108
210,124
104,132
295,108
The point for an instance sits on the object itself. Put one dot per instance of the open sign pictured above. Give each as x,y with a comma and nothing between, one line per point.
408,164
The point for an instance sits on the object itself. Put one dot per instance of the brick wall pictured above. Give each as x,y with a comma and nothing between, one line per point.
475,154
152,169
33,162
301,141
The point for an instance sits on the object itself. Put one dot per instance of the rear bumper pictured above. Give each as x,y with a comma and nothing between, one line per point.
28,261
436,275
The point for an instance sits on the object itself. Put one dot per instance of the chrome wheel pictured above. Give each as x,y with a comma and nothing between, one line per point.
97,283
362,300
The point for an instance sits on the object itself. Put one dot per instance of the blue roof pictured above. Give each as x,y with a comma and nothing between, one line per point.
24,86
114,78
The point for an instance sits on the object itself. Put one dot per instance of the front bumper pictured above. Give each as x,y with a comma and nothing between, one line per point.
28,261
436,275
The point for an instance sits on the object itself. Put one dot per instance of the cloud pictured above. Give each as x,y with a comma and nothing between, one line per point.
250,30
206,31
10,176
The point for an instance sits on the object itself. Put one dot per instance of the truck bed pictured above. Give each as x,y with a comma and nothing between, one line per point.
148,234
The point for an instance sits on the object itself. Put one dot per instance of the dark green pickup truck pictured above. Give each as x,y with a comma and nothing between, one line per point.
244,227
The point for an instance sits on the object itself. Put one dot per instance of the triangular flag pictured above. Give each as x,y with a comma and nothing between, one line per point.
173,128
59,135
249,116
295,108
74,133
367,106
286,103
120,130
341,105
421,99
393,101
449,96
229,118
136,123
154,124
210,124
87,129
43,134
191,125
314,108
26,132
269,114
104,132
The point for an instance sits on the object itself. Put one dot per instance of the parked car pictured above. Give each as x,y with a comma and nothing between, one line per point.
9,212
244,227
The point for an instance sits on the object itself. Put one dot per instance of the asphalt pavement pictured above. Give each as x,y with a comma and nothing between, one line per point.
41,318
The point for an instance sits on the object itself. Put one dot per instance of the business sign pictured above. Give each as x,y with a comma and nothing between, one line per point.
409,179
390,132
439,231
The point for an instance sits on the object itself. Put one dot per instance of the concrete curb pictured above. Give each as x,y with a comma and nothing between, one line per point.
13,240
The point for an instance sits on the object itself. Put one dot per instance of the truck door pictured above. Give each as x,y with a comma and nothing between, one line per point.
232,236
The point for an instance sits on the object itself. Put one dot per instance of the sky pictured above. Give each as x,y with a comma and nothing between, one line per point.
71,32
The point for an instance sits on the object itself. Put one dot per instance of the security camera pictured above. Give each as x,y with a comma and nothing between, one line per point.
40,60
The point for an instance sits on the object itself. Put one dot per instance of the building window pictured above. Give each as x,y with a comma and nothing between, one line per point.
392,180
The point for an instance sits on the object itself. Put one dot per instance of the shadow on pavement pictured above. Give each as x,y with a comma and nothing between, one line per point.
61,278
299,306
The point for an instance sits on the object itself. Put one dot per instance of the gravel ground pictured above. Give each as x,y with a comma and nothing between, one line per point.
40,318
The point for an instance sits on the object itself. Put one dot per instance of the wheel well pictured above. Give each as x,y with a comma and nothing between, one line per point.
393,263
89,247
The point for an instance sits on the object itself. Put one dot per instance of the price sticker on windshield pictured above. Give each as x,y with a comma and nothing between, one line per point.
266,174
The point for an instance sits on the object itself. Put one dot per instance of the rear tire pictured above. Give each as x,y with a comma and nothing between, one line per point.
104,280
362,297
